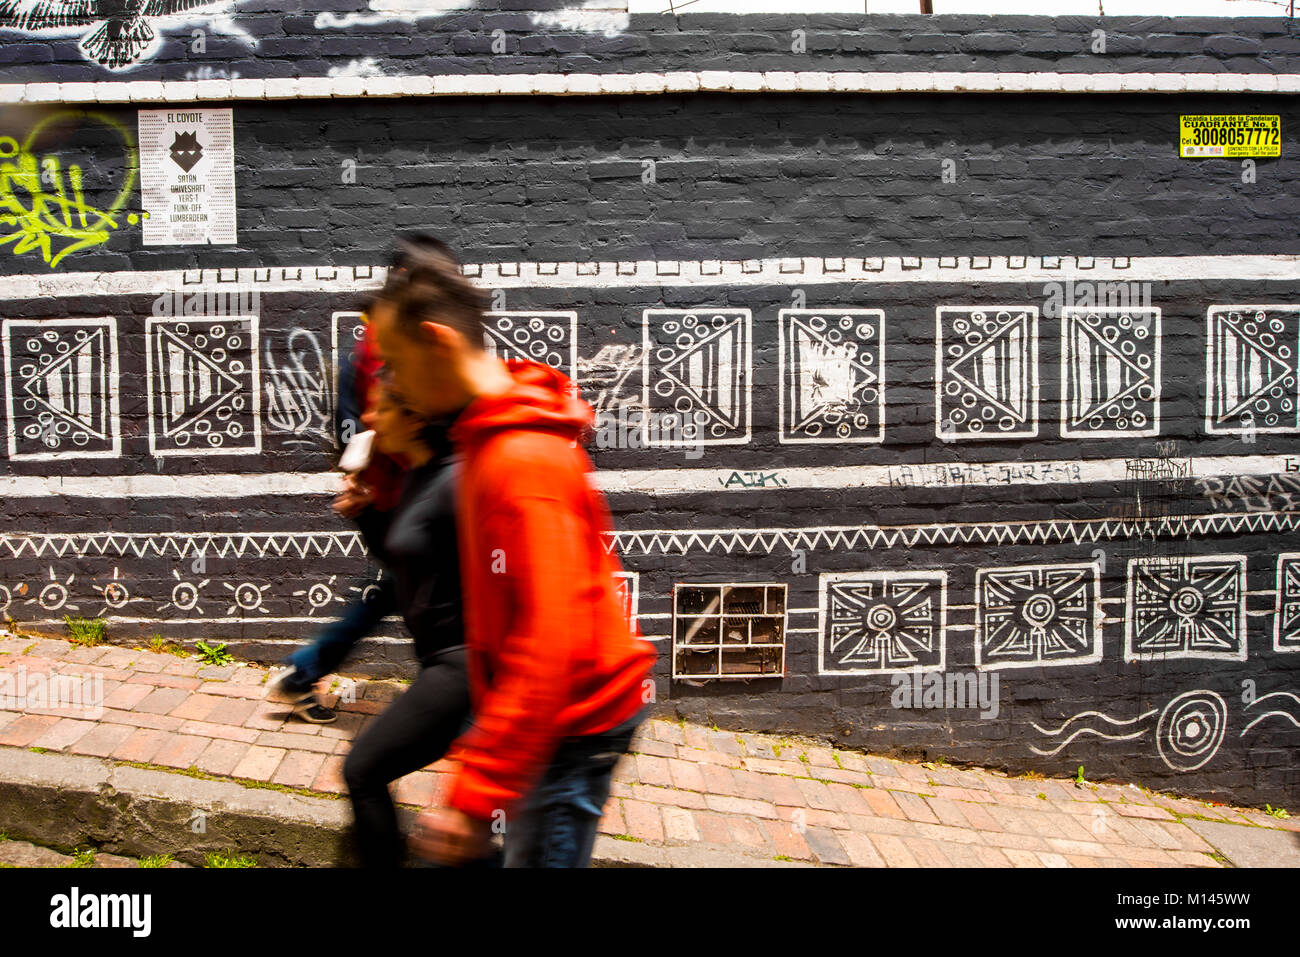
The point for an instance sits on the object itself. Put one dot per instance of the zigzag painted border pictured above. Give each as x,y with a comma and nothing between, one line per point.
666,541
870,537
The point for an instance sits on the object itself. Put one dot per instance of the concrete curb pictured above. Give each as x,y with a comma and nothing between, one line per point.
63,801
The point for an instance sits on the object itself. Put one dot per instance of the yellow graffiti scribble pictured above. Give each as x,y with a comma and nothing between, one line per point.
45,213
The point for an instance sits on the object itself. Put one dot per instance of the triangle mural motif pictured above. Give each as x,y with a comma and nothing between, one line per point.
832,377
987,371
1253,380
696,385
1112,380
61,387
203,392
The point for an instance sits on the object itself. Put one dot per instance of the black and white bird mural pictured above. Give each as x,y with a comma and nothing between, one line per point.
118,32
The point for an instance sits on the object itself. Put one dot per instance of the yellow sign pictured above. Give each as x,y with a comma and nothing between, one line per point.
1229,137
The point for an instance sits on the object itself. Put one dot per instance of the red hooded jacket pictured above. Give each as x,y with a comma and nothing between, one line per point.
551,651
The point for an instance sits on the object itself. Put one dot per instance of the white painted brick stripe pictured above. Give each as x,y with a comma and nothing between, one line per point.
815,270
667,481
608,84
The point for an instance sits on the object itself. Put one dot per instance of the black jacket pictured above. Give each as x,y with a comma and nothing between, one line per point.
416,544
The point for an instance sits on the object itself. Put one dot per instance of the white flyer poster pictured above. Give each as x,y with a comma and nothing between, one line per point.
187,176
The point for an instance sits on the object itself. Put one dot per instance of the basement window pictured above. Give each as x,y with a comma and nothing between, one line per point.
729,631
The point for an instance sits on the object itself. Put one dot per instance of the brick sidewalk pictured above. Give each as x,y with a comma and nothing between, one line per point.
744,798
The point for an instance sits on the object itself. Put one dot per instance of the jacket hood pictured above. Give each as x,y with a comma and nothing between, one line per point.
543,399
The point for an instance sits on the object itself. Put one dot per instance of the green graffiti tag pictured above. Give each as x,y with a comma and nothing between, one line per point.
41,210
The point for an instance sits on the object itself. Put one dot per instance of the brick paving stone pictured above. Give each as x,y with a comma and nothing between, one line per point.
787,840
945,835
978,816
181,751
1187,839
655,795
668,732
719,780
653,770
141,719
724,741
224,731
252,677
769,766
883,803
992,857
652,746
927,853
102,740
643,821
21,732
817,794
696,737
901,784
268,719
141,746
127,696
848,799
417,788
948,812
685,775
1077,848
300,768
8,717
912,772
63,734
183,669
841,776
221,757
820,757
259,763
1143,811
349,726
785,792
1193,859
167,681
289,742
118,658
915,808
1052,860
1158,835
893,851
962,855
1021,842
299,727
735,805
1022,858
148,663
862,853
745,831
195,707
1145,854
756,746
161,701
231,690
49,648
753,786
811,817
826,846
330,776
713,827
679,824
216,672
83,655
881,765
611,821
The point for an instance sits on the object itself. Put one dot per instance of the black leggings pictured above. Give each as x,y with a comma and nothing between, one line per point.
412,733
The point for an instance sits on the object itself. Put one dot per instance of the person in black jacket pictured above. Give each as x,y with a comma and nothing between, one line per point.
416,544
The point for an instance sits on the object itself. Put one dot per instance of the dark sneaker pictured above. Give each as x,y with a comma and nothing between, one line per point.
309,709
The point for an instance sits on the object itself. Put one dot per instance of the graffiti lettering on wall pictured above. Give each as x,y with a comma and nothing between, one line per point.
299,388
43,205
115,33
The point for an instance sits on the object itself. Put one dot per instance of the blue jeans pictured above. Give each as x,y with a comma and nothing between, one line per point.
556,825
336,639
